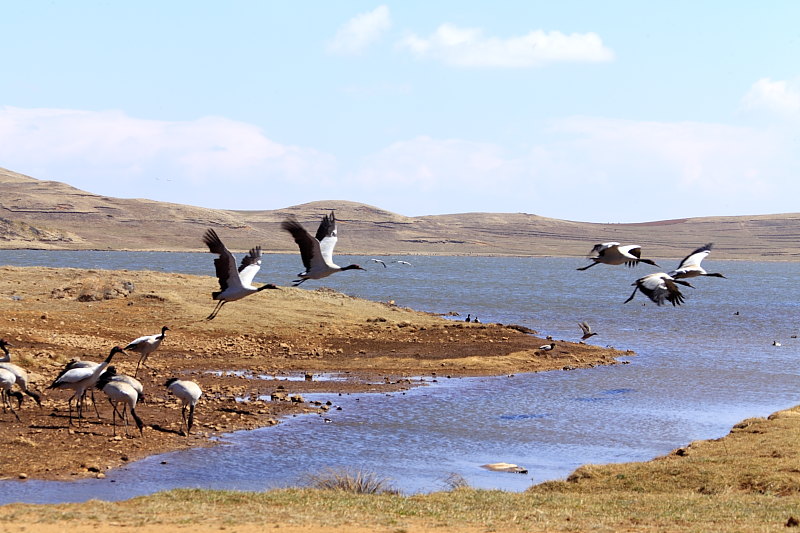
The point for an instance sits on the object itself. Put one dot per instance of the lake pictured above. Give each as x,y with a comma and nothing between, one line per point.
699,369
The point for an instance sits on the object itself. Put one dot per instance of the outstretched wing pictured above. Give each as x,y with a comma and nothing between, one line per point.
309,246
225,264
660,288
696,257
326,235
250,265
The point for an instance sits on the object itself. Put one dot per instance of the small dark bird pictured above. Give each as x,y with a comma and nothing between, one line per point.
467,319
587,330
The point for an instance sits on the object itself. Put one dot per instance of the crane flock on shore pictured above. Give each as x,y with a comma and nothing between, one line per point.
125,392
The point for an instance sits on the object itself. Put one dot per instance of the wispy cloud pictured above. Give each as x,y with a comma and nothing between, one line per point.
359,32
110,148
780,97
469,47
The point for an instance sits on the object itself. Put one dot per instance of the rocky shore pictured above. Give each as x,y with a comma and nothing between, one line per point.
241,359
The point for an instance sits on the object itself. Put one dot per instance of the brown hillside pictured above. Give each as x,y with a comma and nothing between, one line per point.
53,215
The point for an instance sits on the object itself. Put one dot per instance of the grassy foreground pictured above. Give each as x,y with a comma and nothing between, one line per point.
746,481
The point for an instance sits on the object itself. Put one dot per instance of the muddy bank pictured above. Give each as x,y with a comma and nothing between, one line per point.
54,315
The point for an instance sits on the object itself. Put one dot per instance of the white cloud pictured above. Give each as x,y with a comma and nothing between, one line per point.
112,153
780,97
583,168
360,31
469,47
594,169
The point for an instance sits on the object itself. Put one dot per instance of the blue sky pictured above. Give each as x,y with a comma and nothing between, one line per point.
592,111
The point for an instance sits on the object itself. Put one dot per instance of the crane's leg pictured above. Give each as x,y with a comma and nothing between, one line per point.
587,266
216,310
632,295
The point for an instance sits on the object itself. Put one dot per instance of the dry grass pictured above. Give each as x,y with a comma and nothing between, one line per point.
747,481
356,481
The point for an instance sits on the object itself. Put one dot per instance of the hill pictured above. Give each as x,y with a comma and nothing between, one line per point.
54,215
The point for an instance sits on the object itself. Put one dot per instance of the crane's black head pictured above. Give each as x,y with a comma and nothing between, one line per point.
170,381
3,345
716,275
163,329
114,351
353,267
649,262
268,286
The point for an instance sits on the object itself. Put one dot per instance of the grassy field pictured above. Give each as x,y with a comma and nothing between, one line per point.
747,481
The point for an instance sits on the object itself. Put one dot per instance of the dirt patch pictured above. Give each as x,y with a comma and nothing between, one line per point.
240,359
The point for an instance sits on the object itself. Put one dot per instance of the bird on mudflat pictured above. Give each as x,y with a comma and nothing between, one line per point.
110,374
587,330
7,380
316,252
659,287
80,380
690,266
20,374
612,253
146,345
188,392
547,347
120,392
233,284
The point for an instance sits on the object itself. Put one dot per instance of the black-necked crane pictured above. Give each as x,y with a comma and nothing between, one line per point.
80,380
401,262
660,287
468,319
146,345
111,375
120,392
547,347
690,266
234,284
188,392
379,261
7,380
587,330
317,253
20,374
613,253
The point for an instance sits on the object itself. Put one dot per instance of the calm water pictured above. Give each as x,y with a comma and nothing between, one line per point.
698,370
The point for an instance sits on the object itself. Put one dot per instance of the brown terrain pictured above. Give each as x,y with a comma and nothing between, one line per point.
51,316
53,215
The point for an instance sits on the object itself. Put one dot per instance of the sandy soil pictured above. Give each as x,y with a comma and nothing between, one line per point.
54,315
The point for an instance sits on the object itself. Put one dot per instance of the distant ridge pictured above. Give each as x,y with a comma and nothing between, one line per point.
54,215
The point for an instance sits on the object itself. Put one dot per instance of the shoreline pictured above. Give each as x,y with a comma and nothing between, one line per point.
65,313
